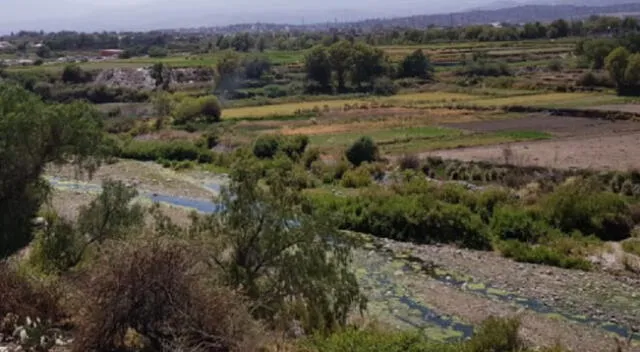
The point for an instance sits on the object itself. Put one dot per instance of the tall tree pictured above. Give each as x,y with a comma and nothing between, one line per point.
33,134
291,263
417,65
318,68
340,55
367,64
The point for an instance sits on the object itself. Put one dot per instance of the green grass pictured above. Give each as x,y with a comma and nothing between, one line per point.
418,145
391,136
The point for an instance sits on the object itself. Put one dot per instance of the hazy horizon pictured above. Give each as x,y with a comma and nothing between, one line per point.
88,15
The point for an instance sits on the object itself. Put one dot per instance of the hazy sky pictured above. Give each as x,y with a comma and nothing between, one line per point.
148,14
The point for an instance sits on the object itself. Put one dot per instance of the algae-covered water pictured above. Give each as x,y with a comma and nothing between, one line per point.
379,273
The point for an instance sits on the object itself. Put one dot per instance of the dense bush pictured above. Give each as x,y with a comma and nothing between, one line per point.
511,223
579,205
267,146
542,254
206,109
154,289
168,150
356,178
361,151
410,218
75,74
484,68
25,297
384,86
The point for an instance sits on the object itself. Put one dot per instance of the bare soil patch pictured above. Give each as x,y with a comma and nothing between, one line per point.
557,125
609,152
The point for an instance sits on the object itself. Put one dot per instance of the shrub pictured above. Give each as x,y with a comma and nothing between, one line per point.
542,254
205,108
266,146
57,248
362,150
484,68
169,150
580,205
356,178
156,51
384,86
409,162
310,156
555,65
497,334
511,223
26,297
74,74
154,289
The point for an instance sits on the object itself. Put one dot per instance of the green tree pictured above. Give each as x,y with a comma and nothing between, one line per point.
367,64
73,73
205,109
361,151
340,56
417,65
162,75
163,104
32,135
616,64
227,70
157,51
282,257
558,29
318,68
596,50
632,72
44,52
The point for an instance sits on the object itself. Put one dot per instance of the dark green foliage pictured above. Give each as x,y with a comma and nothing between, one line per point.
75,74
267,146
165,150
33,135
283,258
206,109
356,178
361,151
416,65
542,254
596,50
318,70
409,162
310,156
579,205
384,86
410,218
255,67
484,68
511,223
156,51
62,244
44,52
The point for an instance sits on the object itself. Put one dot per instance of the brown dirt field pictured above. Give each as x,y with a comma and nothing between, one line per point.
608,152
559,126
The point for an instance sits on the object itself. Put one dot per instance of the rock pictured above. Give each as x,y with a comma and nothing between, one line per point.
24,336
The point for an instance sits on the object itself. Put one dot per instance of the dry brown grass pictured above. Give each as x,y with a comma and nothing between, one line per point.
26,297
154,288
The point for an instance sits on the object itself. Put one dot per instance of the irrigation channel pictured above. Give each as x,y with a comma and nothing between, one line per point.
390,301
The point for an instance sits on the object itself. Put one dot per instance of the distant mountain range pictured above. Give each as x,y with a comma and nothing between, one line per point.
515,14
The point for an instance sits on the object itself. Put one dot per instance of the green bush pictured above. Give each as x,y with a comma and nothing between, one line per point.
421,219
384,86
167,150
513,223
310,156
580,205
542,254
267,146
356,178
74,74
483,68
205,109
362,150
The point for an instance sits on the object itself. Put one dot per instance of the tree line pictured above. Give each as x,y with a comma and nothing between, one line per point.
141,43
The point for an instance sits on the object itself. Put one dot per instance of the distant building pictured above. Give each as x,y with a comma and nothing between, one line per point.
110,52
